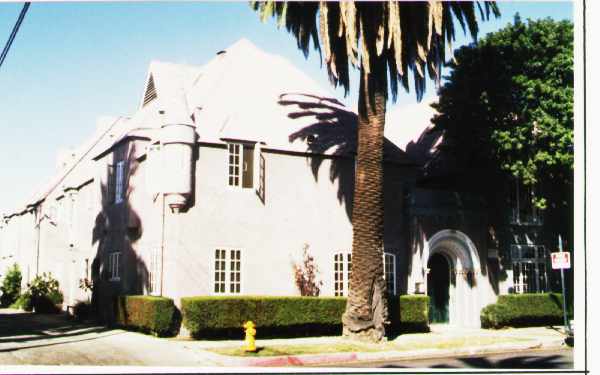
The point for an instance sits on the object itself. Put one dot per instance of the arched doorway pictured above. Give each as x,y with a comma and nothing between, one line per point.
455,284
438,288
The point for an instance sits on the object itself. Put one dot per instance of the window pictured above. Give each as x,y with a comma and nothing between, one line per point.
154,271
529,268
114,260
241,165
119,181
342,270
389,272
523,210
228,271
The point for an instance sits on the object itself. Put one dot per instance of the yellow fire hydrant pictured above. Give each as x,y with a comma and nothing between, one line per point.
249,339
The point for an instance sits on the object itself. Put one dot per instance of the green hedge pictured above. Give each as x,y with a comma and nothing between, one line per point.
412,312
523,310
82,310
274,316
24,302
208,317
156,315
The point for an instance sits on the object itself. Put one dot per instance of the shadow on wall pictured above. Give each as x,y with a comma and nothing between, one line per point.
334,131
117,227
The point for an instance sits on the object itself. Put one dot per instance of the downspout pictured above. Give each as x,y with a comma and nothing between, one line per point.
37,261
162,246
177,138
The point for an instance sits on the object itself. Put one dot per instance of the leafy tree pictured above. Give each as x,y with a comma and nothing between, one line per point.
11,286
385,41
508,106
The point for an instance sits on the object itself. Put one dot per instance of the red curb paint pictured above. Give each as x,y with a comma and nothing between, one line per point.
299,361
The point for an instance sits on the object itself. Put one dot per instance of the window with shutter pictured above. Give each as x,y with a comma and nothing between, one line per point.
240,165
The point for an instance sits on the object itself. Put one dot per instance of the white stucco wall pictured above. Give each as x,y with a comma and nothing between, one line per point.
298,209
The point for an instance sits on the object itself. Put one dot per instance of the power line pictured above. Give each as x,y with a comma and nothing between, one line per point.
14,32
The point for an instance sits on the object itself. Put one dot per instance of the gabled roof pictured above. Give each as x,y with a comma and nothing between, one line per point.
246,94
242,94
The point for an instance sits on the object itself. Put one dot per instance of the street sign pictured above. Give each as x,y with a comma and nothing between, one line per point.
561,260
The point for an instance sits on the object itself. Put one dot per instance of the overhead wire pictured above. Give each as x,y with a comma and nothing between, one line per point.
15,29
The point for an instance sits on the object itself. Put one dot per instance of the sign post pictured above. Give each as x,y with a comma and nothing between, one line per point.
562,260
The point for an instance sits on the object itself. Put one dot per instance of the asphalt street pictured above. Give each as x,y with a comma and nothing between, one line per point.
534,359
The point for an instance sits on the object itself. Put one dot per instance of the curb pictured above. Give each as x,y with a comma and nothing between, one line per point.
336,358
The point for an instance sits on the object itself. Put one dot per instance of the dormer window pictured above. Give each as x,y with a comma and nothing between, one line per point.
240,165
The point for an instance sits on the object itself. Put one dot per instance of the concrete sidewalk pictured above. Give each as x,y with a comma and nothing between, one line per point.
36,339
405,347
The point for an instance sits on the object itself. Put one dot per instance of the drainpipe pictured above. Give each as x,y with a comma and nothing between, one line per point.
37,261
162,246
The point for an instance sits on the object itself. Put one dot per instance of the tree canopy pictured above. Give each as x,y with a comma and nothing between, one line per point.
385,40
409,36
509,102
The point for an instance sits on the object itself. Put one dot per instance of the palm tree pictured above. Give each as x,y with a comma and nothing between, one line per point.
379,38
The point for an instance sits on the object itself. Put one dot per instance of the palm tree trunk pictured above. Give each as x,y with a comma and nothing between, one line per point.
366,311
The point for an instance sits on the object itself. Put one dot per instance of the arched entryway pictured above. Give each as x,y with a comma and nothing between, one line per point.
454,279
438,288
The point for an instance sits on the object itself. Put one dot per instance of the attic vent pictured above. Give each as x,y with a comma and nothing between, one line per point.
150,94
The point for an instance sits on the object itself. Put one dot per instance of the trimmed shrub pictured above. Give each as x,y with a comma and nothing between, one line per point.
414,313
274,316
209,317
523,310
149,314
24,302
45,294
11,286
82,310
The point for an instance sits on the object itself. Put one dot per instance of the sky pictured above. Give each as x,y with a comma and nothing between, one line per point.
74,62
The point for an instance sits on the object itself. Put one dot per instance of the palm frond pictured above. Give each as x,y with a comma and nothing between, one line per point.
408,36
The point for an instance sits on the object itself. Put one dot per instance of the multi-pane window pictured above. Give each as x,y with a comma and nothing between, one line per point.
234,164
119,181
114,260
389,272
154,271
524,211
529,268
234,271
241,165
228,273
342,270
